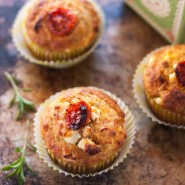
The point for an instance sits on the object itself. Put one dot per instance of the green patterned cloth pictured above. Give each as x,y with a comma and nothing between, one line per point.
166,16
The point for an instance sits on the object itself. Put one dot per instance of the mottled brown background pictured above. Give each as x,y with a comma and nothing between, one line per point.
158,156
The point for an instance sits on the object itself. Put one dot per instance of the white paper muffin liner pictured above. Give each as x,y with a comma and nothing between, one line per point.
20,43
139,91
128,143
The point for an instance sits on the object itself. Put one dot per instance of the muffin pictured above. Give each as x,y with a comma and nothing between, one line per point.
164,83
82,129
61,30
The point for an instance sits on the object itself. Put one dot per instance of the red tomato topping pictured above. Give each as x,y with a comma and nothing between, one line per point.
180,72
78,115
62,21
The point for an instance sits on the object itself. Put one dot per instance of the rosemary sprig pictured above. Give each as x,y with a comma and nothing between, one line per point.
20,164
31,147
24,105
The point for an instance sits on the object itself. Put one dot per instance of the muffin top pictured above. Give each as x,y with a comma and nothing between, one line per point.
62,25
164,78
82,126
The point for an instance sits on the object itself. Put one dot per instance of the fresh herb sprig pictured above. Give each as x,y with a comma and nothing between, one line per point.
24,105
20,164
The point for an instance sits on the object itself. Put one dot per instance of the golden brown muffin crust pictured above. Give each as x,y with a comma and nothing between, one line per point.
82,35
104,135
161,81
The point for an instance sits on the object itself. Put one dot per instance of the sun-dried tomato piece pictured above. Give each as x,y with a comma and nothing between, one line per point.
78,115
180,72
62,21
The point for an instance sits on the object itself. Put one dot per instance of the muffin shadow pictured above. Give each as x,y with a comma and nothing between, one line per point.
168,140
44,81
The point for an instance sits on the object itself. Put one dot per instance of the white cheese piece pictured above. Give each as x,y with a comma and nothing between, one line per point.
83,142
174,66
95,114
172,77
72,137
158,100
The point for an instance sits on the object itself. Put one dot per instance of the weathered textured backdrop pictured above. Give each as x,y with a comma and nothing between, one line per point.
158,156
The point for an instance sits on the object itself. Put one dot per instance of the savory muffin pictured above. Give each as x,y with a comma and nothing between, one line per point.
164,81
82,129
61,29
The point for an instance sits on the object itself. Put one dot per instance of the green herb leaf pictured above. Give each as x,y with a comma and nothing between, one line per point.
30,146
6,168
18,150
17,82
12,101
26,90
12,174
12,165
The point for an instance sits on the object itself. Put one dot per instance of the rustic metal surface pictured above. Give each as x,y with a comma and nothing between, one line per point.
158,156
